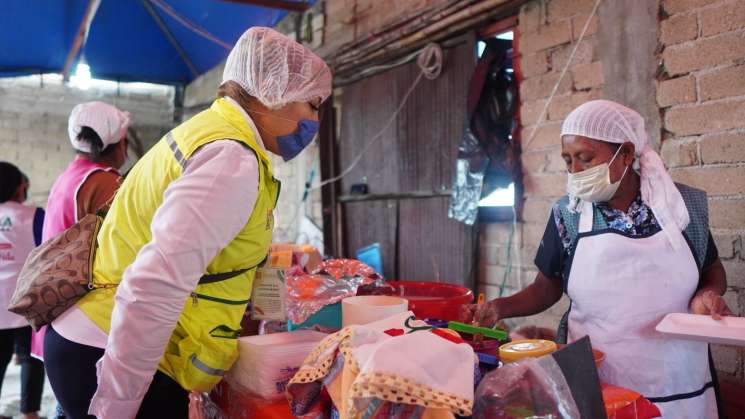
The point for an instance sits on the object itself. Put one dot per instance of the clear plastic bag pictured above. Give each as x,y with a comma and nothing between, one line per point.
201,406
333,281
529,389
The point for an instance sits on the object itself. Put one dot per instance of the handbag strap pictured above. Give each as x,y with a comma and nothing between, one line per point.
212,278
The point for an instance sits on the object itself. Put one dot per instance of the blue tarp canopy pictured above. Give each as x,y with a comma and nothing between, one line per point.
124,41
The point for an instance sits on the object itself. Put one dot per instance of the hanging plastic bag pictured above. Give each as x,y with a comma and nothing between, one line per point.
487,144
529,389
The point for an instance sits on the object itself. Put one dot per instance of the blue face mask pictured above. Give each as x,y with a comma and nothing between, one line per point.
292,144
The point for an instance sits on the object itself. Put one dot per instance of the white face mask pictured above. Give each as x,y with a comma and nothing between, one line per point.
593,184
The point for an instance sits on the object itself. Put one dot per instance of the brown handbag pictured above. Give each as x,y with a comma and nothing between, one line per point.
60,272
57,274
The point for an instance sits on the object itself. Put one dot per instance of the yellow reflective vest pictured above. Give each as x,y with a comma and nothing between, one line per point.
203,345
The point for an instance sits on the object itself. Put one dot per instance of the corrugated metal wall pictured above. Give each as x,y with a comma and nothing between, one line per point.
416,154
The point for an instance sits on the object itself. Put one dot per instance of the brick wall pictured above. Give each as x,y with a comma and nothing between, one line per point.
34,114
701,95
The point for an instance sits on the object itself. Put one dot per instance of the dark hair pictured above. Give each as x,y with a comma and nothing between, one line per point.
234,91
98,151
11,178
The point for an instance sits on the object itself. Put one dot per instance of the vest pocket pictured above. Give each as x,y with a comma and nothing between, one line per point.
204,344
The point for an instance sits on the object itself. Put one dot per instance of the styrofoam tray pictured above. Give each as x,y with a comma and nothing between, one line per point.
728,331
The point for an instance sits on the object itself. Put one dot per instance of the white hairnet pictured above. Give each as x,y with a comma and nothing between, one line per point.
612,122
110,124
276,70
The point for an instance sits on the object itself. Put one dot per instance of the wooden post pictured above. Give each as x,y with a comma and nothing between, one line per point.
332,226
80,37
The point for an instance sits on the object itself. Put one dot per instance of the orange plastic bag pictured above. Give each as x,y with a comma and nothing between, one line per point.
621,403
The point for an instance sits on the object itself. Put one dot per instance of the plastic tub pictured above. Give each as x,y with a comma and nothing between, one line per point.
526,348
433,300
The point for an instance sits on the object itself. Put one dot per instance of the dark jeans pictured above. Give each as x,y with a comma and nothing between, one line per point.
32,370
71,368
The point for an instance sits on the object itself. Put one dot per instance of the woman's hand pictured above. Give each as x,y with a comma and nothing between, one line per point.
485,315
709,302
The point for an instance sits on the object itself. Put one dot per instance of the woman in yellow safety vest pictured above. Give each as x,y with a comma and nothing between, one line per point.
180,245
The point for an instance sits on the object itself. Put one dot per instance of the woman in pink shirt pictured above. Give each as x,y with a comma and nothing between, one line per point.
20,232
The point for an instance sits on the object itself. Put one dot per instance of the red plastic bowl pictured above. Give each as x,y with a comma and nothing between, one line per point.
433,300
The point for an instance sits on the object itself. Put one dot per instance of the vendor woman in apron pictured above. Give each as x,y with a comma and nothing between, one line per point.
179,247
628,246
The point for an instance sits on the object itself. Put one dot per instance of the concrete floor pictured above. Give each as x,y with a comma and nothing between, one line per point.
10,399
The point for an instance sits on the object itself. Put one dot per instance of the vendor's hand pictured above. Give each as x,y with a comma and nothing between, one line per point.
484,315
709,302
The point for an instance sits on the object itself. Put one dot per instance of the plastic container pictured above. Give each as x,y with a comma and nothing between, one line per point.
266,363
328,317
528,348
433,300
370,308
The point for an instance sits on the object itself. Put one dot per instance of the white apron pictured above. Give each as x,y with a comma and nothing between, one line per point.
620,288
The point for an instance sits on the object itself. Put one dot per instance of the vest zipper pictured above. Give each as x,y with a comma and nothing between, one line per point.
195,300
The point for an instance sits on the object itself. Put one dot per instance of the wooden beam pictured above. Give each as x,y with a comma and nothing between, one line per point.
172,39
80,37
329,162
292,6
395,196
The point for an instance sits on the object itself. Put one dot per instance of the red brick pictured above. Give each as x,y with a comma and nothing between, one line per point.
727,359
533,232
724,18
723,148
701,119
531,17
727,213
678,28
561,106
537,210
494,234
546,37
541,87
716,181
676,153
560,9
546,135
585,54
722,83
588,75
548,185
490,254
535,161
676,91
703,53
735,269
677,6
530,111
732,298
726,244
578,23
534,64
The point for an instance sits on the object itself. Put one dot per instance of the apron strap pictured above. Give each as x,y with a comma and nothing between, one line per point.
586,217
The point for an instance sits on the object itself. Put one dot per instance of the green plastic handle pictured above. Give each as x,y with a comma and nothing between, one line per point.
475,330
